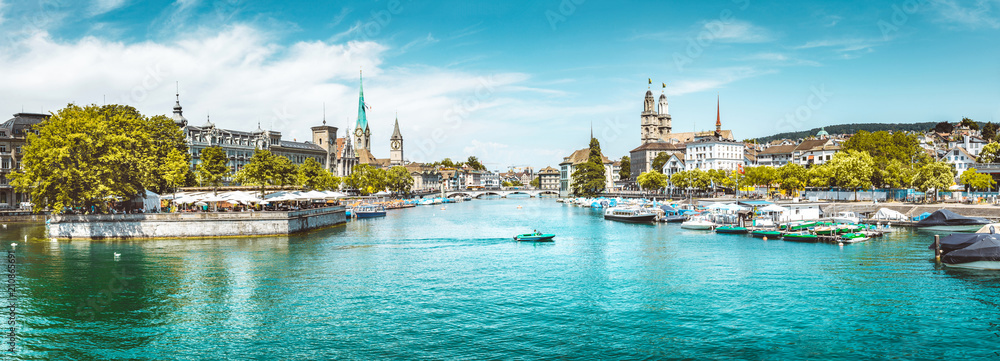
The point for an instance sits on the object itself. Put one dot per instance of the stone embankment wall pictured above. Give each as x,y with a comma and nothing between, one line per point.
190,225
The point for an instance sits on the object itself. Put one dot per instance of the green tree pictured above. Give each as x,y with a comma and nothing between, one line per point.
944,127
884,147
990,153
792,177
989,131
820,176
681,180
977,181
762,176
588,180
285,172
259,171
312,175
852,169
895,175
447,162
399,179
934,175
176,168
969,123
652,180
367,179
474,163
213,168
700,179
536,182
625,171
660,160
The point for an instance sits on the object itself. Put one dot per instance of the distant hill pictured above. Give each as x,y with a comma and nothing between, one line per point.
850,129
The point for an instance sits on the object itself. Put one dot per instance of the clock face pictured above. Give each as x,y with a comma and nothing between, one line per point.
395,144
357,132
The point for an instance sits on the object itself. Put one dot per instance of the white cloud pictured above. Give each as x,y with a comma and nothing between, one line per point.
2,12
714,79
737,31
972,14
102,6
240,76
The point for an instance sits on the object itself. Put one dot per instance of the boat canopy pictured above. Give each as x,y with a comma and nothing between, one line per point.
890,215
984,250
944,217
956,241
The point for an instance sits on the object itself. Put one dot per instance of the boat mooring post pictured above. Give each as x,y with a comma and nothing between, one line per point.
937,248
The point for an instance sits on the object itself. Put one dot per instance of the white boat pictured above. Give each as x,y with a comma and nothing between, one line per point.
699,223
846,217
630,214
980,265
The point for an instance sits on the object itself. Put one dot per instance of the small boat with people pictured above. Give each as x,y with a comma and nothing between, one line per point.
698,223
728,229
368,211
630,214
535,236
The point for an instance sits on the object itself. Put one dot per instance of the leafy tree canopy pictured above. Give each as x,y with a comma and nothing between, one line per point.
625,171
652,180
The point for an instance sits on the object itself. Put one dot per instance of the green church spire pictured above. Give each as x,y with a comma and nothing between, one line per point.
362,117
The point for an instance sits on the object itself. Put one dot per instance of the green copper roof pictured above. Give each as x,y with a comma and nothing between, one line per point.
362,118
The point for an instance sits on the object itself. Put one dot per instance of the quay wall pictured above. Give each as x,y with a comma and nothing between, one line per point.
192,225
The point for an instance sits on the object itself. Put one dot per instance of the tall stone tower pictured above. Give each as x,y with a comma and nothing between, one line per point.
325,136
361,131
650,121
663,117
396,145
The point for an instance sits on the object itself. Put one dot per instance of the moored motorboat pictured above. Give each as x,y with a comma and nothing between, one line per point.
846,217
368,211
698,223
800,237
982,255
731,230
853,237
760,233
674,218
944,220
534,237
629,214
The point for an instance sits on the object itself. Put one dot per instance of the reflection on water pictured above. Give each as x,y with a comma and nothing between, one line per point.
433,283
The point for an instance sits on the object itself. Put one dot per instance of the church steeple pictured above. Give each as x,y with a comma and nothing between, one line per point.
718,117
361,130
178,111
396,145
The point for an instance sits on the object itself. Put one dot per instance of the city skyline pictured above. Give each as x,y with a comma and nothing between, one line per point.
498,79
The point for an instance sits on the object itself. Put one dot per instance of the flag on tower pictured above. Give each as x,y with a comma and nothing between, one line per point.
651,80
664,85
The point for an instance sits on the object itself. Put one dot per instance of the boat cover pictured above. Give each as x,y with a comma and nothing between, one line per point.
888,214
956,241
944,217
668,209
984,250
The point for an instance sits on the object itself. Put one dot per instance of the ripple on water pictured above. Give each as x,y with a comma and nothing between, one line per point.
426,283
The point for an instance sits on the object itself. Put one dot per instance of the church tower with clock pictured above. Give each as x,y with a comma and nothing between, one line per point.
362,134
396,146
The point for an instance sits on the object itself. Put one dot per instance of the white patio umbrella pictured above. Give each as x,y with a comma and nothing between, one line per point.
774,208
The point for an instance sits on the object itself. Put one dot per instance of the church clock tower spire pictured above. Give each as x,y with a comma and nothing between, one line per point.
361,131
396,145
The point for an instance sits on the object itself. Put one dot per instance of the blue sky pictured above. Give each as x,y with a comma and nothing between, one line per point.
513,82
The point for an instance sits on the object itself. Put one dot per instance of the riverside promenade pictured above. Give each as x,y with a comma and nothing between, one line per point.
194,224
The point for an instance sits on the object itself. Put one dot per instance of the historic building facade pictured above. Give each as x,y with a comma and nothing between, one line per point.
13,136
239,146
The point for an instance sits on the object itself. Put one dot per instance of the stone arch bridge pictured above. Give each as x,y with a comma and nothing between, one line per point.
501,193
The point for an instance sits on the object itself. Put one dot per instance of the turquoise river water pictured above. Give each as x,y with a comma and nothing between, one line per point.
427,283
